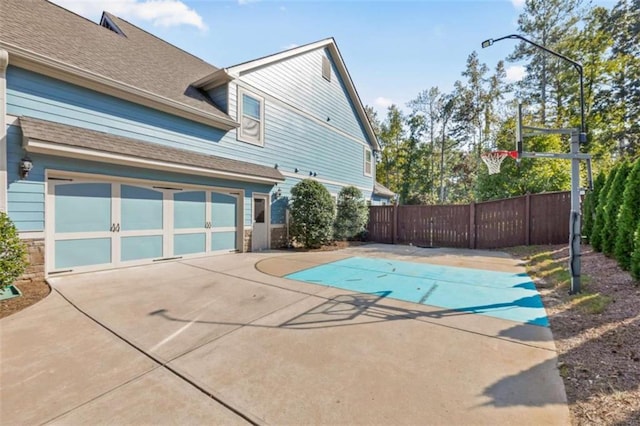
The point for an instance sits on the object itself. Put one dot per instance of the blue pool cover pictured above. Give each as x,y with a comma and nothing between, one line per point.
498,294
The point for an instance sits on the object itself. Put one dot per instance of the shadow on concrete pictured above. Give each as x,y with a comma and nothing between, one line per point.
519,389
367,308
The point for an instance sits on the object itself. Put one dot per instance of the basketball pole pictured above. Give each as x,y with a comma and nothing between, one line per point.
576,139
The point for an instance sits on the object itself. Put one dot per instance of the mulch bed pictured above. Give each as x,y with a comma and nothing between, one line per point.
32,292
599,354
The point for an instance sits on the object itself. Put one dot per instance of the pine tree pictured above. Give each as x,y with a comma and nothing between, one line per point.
598,223
610,229
590,204
635,256
628,218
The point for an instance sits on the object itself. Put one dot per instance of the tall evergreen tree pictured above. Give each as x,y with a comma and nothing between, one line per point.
548,23
610,229
635,256
590,205
628,218
598,224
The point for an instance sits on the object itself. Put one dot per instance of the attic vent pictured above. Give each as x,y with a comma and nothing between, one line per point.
110,25
326,68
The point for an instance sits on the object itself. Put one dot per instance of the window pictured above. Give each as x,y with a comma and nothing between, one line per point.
251,117
326,68
367,161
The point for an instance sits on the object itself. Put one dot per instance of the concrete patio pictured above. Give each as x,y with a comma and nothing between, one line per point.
226,340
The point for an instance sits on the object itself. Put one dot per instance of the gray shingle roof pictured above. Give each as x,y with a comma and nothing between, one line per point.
138,59
61,134
380,189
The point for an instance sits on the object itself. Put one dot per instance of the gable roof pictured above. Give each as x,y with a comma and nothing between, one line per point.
61,139
133,65
221,76
380,189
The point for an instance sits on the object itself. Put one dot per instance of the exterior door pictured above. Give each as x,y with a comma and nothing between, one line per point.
260,233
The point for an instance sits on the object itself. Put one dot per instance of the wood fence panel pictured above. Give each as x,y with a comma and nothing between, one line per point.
550,218
530,219
500,223
381,224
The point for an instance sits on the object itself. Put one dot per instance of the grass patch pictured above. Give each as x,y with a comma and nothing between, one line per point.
591,303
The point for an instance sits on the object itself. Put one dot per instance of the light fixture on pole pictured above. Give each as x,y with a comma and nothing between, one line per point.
574,155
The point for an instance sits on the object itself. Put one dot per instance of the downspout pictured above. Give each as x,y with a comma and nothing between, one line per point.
4,63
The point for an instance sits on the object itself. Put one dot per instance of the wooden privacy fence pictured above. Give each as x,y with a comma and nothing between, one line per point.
526,220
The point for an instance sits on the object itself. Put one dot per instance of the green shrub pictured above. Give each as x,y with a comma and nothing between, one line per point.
628,217
635,256
598,223
312,214
611,210
352,214
13,254
590,204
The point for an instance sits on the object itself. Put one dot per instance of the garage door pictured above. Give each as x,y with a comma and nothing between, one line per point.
98,225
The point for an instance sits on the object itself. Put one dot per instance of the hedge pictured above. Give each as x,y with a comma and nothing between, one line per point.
628,218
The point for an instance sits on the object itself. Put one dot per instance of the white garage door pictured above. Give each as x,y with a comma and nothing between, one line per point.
94,224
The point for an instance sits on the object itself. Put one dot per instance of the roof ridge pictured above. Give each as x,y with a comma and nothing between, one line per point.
158,38
282,51
72,12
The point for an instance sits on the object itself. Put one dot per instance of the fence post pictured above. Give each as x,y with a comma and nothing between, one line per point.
527,219
472,225
394,227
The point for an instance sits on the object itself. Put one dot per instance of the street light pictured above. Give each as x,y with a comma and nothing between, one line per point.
577,65
574,218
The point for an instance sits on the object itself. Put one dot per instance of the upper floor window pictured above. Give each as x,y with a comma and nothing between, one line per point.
251,117
368,160
326,68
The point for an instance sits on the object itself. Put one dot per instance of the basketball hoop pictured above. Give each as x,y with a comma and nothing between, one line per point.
493,159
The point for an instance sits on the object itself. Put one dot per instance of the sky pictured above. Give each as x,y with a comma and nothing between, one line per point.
392,49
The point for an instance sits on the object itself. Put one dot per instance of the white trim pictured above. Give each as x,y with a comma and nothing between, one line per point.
43,147
72,74
224,229
239,104
31,235
327,181
12,120
294,109
278,225
329,43
4,63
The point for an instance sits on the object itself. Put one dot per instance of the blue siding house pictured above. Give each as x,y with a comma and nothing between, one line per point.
117,148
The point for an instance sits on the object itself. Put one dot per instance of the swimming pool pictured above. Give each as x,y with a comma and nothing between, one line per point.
498,294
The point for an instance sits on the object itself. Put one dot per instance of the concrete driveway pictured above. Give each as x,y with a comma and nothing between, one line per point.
220,341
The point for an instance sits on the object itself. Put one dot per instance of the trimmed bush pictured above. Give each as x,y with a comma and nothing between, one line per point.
635,256
611,210
628,217
590,204
13,253
312,214
598,223
352,215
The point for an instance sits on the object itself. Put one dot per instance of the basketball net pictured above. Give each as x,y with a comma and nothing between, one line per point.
494,159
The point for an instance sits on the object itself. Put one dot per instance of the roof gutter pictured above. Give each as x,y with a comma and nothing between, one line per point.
31,61
213,80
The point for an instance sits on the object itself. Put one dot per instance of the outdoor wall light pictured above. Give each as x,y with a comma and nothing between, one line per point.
25,167
310,173
276,166
296,170
277,194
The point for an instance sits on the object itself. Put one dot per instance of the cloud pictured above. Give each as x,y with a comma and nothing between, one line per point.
243,2
161,13
383,102
515,73
518,4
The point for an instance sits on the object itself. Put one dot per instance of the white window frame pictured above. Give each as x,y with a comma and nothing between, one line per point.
254,141
364,154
